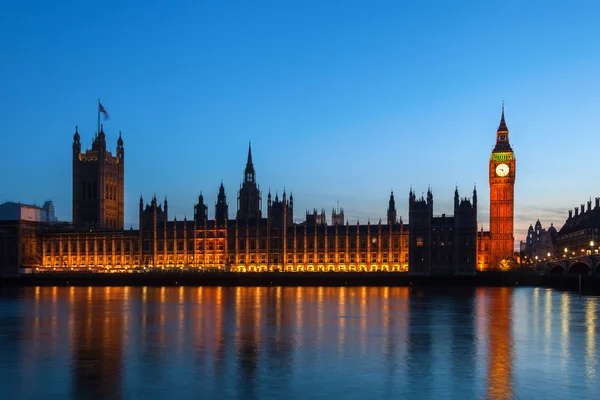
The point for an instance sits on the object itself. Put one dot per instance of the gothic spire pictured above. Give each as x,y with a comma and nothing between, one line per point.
249,164
249,175
502,142
502,127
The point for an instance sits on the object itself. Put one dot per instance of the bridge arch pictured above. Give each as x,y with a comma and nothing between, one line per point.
557,270
579,268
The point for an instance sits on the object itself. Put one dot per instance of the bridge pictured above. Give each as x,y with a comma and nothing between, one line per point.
582,265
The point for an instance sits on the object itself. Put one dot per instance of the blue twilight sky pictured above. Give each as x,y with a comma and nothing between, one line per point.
342,100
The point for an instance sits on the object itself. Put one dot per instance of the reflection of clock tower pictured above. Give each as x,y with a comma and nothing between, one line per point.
502,199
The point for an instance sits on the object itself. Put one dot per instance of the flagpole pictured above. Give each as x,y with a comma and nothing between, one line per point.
98,131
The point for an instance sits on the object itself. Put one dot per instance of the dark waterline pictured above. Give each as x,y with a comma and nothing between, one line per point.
297,343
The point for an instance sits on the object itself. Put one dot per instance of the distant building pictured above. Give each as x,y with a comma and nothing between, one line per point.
540,244
20,241
11,211
581,232
48,208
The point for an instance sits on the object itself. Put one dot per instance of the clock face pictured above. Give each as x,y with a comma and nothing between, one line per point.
502,170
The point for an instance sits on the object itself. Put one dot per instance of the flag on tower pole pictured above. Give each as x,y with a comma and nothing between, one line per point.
102,110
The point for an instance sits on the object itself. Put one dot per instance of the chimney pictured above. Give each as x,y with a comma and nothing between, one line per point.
570,214
597,202
582,208
589,204
576,211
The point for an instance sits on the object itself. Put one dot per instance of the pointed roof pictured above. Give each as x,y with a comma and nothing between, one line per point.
249,164
502,142
502,127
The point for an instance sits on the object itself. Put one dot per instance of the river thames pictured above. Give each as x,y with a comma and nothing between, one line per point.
297,343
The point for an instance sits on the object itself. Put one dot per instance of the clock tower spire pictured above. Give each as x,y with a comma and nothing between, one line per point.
502,175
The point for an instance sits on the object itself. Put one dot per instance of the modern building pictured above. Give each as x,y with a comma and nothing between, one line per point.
11,211
20,242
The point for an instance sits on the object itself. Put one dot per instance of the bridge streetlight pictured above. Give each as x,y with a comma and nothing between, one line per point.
566,251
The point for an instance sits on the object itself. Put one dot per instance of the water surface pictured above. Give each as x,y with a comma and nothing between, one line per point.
297,343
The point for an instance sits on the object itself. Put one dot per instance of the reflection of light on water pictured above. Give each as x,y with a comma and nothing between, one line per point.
71,323
320,307
238,308
198,319
341,319
564,328
363,320
180,326
278,312
536,312
548,321
299,312
385,315
257,310
481,325
590,355
500,353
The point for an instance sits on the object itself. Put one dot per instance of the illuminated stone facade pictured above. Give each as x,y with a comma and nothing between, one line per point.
262,245
444,244
98,184
580,234
498,243
248,243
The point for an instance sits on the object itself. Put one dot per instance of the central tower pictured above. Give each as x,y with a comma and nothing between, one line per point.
502,197
249,201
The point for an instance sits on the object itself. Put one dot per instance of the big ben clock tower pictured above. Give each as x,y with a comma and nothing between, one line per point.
502,197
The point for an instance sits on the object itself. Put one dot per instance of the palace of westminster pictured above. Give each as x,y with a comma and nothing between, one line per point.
97,241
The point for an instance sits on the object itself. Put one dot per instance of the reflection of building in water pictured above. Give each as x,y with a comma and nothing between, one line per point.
247,339
97,344
463,342
500,344
420,342
277,335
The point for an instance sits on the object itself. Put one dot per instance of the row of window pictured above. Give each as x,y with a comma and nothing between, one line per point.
92,246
